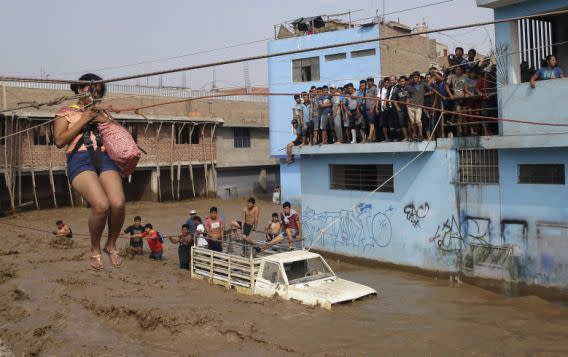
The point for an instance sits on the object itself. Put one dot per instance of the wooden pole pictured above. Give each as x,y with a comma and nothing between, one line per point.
179,163
172,161
213,127
32,166
18,153
158,161
178,178
205,161
51,181
190,165
69,185
8,172
4,105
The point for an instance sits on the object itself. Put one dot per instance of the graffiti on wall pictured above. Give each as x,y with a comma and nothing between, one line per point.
448,236
470,245
415,214
361,228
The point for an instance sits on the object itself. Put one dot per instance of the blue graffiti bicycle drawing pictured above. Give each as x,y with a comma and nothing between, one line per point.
359,228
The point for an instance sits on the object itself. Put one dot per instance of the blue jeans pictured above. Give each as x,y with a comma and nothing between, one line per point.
156,255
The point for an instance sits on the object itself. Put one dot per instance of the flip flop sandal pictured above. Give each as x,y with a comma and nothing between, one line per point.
96,262
117,261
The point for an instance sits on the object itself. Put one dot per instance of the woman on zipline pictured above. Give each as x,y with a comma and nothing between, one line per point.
90,170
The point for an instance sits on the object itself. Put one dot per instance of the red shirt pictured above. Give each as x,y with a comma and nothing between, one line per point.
214,226
290,221
153,240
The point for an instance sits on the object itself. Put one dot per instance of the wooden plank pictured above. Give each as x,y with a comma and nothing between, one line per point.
32,167
205,161
190,166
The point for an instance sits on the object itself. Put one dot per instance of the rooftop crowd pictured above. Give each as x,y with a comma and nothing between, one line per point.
403,108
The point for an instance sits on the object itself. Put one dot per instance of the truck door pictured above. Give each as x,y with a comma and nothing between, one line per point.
271,280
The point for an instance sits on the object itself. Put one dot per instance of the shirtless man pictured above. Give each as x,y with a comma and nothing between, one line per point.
250,219
63,230
273,236
214,227
185,240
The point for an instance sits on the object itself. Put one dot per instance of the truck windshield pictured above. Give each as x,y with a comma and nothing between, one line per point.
302,271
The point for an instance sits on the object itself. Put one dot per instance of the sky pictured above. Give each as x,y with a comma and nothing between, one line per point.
65,38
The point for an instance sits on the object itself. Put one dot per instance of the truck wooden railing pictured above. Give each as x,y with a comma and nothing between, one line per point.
224,269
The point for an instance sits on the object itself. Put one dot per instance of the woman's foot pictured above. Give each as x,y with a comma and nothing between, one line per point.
114,257
96,262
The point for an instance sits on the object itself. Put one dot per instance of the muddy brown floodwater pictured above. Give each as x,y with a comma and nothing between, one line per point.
52,304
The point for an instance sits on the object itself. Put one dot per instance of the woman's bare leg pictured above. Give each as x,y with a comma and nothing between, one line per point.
89,187
112,185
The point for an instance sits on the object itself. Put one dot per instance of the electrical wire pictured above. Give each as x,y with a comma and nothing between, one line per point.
280,54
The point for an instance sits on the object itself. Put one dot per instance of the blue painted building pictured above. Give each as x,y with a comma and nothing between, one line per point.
492,207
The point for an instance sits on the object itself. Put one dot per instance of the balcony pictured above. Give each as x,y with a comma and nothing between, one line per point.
494,4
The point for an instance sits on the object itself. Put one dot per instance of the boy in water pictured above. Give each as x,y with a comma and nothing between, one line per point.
153,242
135,231
63,230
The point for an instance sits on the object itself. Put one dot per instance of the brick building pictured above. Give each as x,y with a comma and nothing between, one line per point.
191,148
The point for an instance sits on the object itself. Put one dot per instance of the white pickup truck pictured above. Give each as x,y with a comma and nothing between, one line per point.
295,275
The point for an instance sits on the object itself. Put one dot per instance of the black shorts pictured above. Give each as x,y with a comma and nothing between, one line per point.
297,142
247,229
215,245
136,243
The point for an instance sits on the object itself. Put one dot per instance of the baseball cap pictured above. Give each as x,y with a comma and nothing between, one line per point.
193,211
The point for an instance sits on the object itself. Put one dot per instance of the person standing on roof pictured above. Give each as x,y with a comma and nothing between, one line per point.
89,168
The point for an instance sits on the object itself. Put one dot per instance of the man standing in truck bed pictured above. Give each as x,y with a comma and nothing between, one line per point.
250,221
214,227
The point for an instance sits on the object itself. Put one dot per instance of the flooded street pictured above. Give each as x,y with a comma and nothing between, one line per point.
54,305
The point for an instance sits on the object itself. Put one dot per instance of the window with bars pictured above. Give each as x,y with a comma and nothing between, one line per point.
545,174
336,57
242,137
363,53
361,177
183,135
479,166
535,41
538,38
306,69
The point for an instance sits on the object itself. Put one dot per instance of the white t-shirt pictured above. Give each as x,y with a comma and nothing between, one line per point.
199,230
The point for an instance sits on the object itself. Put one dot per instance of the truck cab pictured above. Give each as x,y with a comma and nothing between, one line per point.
306,277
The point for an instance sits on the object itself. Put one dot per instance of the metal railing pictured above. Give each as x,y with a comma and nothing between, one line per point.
145,90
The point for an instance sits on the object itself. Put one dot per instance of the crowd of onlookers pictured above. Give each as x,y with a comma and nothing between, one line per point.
404,108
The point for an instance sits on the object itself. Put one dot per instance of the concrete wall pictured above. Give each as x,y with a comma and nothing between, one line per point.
291,183
402,56
507,231
331,72
247,181
257,154
542,105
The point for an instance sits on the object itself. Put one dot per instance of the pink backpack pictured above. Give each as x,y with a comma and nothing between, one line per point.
120,147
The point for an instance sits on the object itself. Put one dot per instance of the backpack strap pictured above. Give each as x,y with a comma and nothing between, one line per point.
95,156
